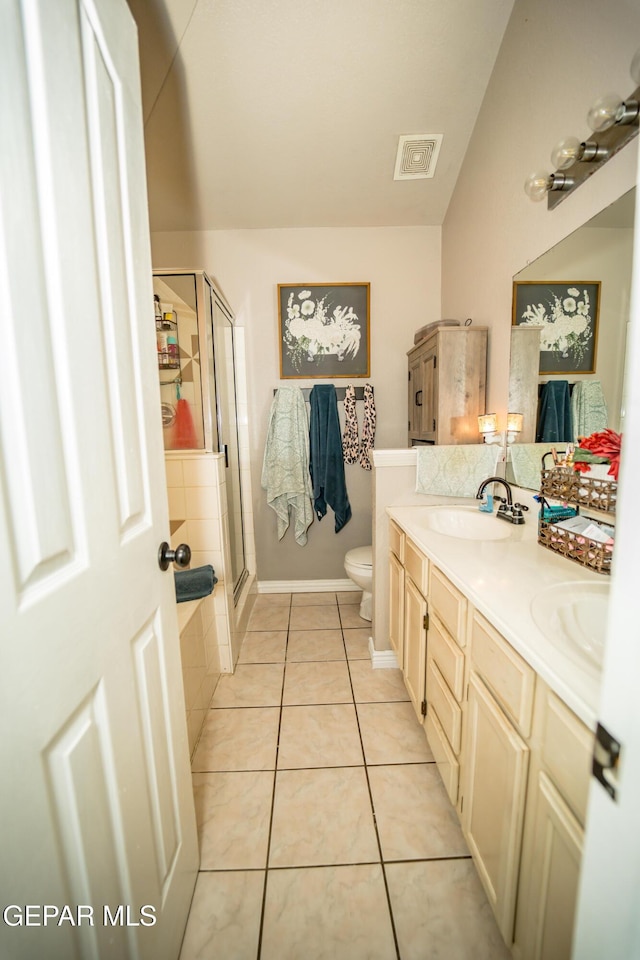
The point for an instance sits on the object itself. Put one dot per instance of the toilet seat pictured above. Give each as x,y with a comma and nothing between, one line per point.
360,557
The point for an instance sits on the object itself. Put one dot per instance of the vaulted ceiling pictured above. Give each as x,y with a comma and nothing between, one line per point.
287,113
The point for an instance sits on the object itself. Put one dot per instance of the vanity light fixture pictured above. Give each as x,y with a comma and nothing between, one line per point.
571,150
488,427
514,426
614,122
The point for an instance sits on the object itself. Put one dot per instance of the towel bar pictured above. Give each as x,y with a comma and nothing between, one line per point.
340,392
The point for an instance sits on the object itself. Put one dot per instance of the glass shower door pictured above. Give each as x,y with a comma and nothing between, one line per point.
224,358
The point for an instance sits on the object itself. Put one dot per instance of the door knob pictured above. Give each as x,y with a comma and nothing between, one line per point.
181,556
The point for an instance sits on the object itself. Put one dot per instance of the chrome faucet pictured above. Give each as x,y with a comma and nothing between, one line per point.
508,510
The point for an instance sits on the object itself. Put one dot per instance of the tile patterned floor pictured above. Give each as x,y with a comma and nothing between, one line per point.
324,828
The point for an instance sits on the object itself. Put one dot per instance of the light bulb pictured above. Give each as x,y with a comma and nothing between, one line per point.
566,152
487,423
537,185
634,69
605,112
514,422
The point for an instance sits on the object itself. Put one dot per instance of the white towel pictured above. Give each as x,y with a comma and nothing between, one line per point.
525,460
285,469
455,471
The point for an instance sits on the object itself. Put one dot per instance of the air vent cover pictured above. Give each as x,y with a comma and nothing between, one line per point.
417,156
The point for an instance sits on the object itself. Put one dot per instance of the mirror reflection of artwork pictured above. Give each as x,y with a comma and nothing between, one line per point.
324,330
567,314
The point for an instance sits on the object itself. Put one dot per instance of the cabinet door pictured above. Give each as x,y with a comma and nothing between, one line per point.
415,645
396,607
429,379
494,786
553,871
415,397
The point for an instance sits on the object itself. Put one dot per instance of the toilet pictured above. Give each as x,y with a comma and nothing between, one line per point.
358,564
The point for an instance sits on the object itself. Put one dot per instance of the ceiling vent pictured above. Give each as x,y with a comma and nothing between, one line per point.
417,156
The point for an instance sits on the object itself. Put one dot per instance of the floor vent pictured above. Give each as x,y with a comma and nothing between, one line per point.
417,156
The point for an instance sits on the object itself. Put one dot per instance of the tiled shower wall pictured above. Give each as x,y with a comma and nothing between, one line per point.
200,661
196,488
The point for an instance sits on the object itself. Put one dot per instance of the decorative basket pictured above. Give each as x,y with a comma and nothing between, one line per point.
591,554
563,483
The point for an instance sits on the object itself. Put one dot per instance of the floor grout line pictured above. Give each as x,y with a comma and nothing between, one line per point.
273,802
375,825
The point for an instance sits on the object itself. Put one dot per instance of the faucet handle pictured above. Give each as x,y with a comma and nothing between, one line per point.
520,506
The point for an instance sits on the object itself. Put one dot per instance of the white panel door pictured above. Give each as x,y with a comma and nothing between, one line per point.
96,804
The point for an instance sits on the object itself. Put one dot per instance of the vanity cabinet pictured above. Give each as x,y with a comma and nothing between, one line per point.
415,645
416,576
445,663
554,831
396,608
514,759
496,764
408,580
447,381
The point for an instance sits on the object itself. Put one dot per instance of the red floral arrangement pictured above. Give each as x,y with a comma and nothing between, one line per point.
602,447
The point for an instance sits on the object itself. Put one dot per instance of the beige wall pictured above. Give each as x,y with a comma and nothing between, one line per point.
403,266
555,61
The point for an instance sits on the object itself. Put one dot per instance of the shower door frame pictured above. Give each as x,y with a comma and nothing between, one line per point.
206,291
223,445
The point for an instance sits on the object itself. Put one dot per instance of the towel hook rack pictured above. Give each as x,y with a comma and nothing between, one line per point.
340,392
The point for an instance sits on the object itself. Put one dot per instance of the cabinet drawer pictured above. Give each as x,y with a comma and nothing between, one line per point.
440,699
416,565
567,746
448,656
510,678
396,541
449,604
448,766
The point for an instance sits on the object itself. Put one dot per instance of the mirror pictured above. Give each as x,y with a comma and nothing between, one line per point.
600,250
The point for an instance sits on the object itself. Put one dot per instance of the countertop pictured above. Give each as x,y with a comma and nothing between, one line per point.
501,578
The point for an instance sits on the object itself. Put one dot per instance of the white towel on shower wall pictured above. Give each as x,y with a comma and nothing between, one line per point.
285,468
455,471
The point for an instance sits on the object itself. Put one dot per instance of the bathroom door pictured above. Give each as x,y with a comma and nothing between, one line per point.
96,807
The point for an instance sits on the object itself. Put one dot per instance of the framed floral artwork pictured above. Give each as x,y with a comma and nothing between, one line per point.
324,330
567,312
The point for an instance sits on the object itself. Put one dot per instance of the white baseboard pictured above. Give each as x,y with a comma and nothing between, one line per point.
382,659
305,586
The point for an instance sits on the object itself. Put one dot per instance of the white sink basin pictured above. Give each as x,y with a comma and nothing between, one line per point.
575,616
465,523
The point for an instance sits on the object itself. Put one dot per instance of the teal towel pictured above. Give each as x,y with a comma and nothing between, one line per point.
554,414
194,584
326,462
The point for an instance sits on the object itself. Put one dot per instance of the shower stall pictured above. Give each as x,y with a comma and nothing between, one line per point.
196,342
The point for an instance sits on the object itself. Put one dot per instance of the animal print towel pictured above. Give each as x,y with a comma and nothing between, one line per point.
368,427
350,444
